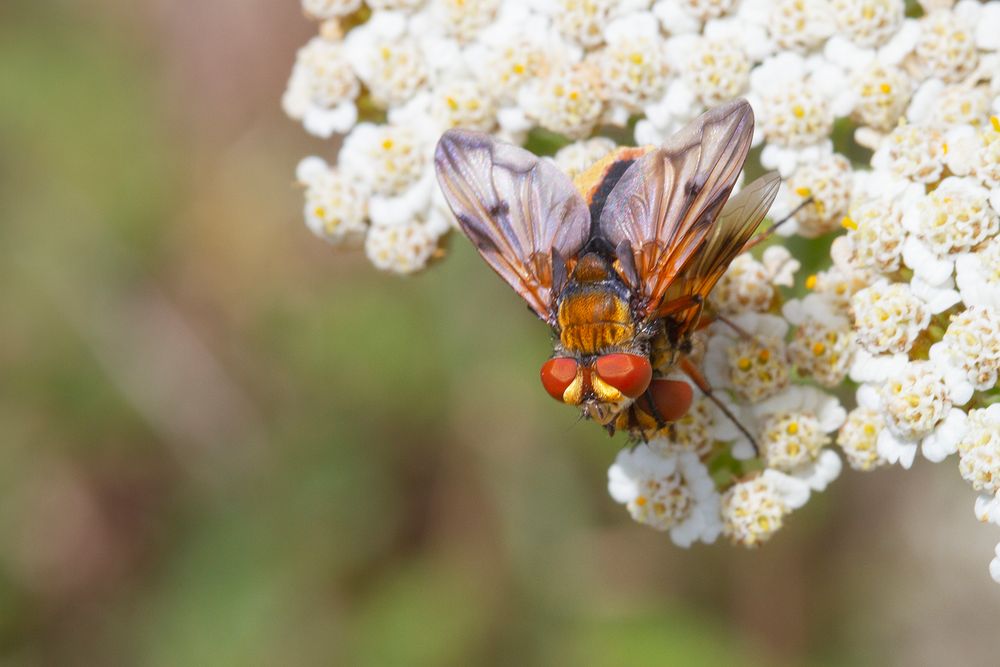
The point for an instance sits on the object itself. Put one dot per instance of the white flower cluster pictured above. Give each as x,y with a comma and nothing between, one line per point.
923,232
750,359
909,306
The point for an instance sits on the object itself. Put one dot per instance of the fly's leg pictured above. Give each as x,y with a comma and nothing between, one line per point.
699,380
653,410
766,234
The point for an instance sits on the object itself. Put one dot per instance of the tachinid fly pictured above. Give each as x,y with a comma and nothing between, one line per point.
619,262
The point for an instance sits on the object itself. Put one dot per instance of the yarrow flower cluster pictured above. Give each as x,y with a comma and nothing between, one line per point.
884,127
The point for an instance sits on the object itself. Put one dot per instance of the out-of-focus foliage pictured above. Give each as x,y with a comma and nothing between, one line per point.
223,444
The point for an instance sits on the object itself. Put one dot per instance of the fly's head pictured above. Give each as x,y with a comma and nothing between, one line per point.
601,385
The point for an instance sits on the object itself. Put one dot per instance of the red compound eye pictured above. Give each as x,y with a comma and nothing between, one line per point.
671,398
557,374
628,373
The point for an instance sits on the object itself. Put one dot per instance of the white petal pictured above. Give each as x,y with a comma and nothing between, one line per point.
901,44
939,297
932,269
794,492
943,441
868,397
894,450
311,168
621,487
987,508
870,368
988,27
924,100
831,414
684,534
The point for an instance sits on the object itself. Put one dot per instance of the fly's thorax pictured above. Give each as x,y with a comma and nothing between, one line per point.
594,311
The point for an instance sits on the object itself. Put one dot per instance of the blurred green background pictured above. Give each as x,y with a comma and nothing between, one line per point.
224,443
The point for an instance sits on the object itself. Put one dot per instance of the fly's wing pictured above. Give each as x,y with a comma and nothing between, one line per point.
520,211
732,230
665,205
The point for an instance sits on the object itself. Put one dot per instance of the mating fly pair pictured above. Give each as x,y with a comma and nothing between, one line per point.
618,262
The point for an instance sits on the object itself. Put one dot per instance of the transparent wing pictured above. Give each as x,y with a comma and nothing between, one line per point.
666,203
519,210
737,222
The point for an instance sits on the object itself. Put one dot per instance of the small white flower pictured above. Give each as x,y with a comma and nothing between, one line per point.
403,248
694,432
633,65
918,409
828,182
322,89
882,93
795,430
568,101
868,22
979,450
995,565
935,103
670,493
952,219
795,104
858,438
947,48
386,58
746,285
388,158
972,343
823,344
515,51
800,24
888,317
464,103
780,265
716,69
754,368
583,21
912,151
875,231
755,509
336,207
839,284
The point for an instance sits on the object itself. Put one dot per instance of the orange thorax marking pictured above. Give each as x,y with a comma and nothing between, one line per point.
592,317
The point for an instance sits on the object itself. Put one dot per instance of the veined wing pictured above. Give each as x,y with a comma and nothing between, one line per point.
732,230
519,210
666,203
